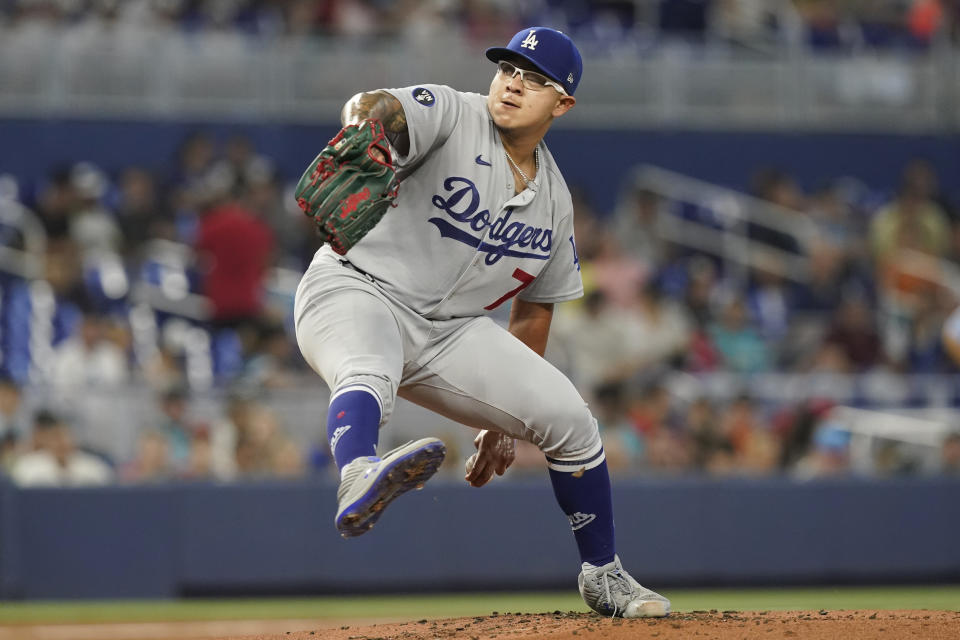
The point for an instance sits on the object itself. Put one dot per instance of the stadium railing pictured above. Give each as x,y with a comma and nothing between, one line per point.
876,406
735,212
870,430
159,74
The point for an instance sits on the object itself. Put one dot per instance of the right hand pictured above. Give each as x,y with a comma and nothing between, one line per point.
495,453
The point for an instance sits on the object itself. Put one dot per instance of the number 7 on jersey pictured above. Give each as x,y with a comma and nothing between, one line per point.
526,279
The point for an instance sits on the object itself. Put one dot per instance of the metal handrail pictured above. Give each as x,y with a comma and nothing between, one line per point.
751,254
721,86
184,303
735,210
753,209
732,244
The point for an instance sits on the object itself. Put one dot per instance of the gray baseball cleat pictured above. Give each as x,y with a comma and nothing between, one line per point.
611,591
368,485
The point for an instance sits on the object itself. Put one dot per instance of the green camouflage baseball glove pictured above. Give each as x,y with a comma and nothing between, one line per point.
350,185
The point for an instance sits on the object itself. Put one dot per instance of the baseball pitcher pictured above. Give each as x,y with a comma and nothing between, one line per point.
437,207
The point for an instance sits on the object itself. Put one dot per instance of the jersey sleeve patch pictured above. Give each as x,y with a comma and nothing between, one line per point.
424,97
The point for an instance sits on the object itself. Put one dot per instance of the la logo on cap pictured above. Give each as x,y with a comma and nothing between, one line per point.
530,42
551,53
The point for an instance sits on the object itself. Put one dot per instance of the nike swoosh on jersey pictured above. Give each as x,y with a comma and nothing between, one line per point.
480,160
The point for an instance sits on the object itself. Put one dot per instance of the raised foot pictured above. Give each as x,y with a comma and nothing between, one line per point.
375,484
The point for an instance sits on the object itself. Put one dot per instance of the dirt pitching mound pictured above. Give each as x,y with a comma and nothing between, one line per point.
722,625
706,625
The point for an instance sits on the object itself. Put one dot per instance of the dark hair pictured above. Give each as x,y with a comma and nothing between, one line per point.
46,419
610,392
594,299
766,179
175,392
653,289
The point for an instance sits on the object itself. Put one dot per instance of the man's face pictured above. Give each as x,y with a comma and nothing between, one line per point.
514,106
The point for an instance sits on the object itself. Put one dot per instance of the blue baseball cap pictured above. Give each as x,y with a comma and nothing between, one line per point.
551,51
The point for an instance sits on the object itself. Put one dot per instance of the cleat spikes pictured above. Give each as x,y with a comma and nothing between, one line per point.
370,485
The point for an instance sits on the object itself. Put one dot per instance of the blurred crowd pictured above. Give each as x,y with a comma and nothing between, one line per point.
842,24
872,305
41,447
126,253
874,296
162,281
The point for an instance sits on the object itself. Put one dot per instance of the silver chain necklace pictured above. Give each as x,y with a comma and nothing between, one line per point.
536,164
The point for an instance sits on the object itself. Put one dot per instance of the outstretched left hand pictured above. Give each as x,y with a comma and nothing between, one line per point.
495,453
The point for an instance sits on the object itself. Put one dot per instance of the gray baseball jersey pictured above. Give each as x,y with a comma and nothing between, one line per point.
460,242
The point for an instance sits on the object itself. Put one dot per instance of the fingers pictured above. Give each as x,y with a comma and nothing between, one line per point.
484,476
495,453
479,470
468,467
474,468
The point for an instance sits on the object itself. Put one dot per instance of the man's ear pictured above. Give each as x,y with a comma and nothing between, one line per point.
564,104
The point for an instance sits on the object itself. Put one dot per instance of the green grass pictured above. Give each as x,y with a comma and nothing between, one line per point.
406,606
413,607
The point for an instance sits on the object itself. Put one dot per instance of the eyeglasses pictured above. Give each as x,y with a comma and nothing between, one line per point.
531,80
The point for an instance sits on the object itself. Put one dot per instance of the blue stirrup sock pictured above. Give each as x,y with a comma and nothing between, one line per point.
353,424
585,497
